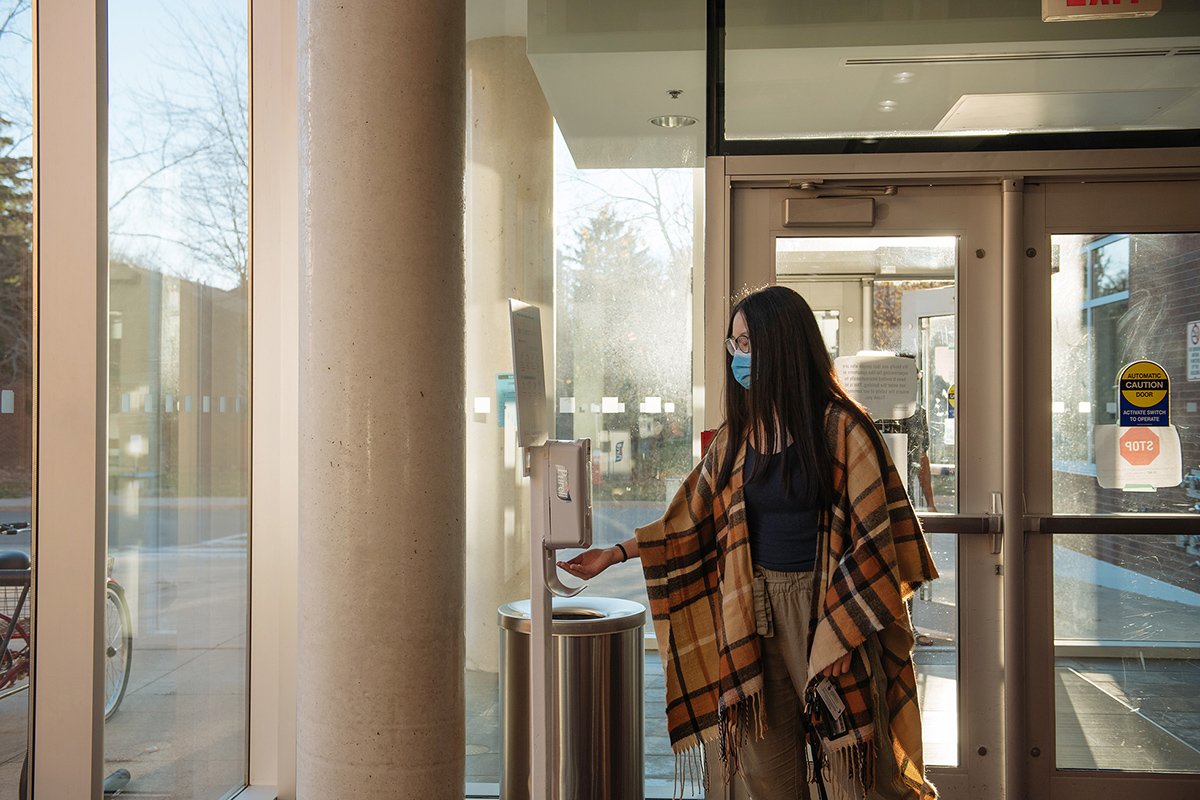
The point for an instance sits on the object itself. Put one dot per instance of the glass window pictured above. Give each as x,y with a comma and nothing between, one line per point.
1126,627
623,335
978,71
1118,300
1125,621
909,286
16,380
908,283
609,257
179,395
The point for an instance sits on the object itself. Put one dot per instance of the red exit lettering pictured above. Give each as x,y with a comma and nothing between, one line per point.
1097,2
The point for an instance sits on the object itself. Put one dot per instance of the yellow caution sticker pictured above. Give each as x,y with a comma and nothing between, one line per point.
1145,395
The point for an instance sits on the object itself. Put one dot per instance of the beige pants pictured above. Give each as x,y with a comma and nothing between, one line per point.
775,767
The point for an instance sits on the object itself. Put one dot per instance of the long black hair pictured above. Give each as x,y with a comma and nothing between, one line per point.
792,383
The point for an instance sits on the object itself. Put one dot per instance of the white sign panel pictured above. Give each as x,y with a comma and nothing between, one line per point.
529,373
1070,10
884,385
1193,350
1138,459
897,445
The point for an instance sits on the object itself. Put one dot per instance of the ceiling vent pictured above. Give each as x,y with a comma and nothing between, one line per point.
978,58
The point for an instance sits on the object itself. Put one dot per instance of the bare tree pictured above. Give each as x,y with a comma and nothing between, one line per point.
657,199
623,308
16,100
187,148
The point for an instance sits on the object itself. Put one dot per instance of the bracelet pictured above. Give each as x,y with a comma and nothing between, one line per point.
624,555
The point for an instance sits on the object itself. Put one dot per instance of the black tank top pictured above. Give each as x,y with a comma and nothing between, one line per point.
783,530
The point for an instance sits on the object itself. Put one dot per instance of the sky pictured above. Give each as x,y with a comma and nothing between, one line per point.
16,77
142,46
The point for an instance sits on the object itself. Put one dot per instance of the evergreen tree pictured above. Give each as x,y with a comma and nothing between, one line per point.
619,330
16,261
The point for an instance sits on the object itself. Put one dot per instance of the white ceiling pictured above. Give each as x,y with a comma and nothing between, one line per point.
851,69
907,90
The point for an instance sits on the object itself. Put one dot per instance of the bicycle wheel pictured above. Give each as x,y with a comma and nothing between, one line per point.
14,661
118,647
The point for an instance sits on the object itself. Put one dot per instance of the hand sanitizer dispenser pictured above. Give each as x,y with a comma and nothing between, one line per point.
560,504
568,491
560,511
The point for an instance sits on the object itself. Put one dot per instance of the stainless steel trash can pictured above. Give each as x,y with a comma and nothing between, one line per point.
597,751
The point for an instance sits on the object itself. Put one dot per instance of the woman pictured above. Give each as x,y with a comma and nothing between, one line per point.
785,560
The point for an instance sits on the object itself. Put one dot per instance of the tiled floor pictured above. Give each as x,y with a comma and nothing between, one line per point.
483,732
1128,714
1120,714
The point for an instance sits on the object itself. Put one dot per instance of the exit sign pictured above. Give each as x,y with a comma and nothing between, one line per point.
1067,10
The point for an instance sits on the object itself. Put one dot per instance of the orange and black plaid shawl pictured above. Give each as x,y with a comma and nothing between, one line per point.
872,556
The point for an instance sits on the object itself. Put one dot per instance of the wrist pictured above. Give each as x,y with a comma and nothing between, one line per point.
619,552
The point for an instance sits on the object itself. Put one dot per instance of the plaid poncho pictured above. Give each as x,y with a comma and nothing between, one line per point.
871,557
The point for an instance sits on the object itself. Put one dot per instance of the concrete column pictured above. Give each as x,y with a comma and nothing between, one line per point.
510,241
381,553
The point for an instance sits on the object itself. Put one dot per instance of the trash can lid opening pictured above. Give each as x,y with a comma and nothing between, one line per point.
578,616
578,613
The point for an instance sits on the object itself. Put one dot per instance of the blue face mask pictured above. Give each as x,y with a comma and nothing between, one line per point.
741,368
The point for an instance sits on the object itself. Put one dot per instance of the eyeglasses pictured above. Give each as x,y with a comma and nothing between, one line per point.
736,344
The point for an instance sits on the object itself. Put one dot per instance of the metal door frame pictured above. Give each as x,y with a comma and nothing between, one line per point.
1116,204
1011,770
970,211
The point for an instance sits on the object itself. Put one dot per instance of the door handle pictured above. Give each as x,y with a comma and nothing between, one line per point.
991,524
996,523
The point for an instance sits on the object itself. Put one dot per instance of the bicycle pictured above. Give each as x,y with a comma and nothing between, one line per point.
16,573
118,630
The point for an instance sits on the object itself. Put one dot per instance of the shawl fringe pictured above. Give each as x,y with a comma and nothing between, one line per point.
734,725
691,765
840,766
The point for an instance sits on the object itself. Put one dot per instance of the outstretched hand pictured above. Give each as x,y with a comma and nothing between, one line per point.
591,563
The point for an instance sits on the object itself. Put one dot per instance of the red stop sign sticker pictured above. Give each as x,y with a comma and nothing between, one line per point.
1139,446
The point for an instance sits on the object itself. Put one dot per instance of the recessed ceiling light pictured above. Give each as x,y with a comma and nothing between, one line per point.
672,121
903,77
887,105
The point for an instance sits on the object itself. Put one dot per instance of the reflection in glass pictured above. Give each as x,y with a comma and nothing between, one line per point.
1127,652
880,71
909,283
935,622
16,377
1127,643
178,457
608,257
624,342
1108,266
1117,299
624,366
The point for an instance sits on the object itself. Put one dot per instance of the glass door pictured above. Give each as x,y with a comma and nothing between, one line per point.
1113,487
919,279
178,547
16,387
